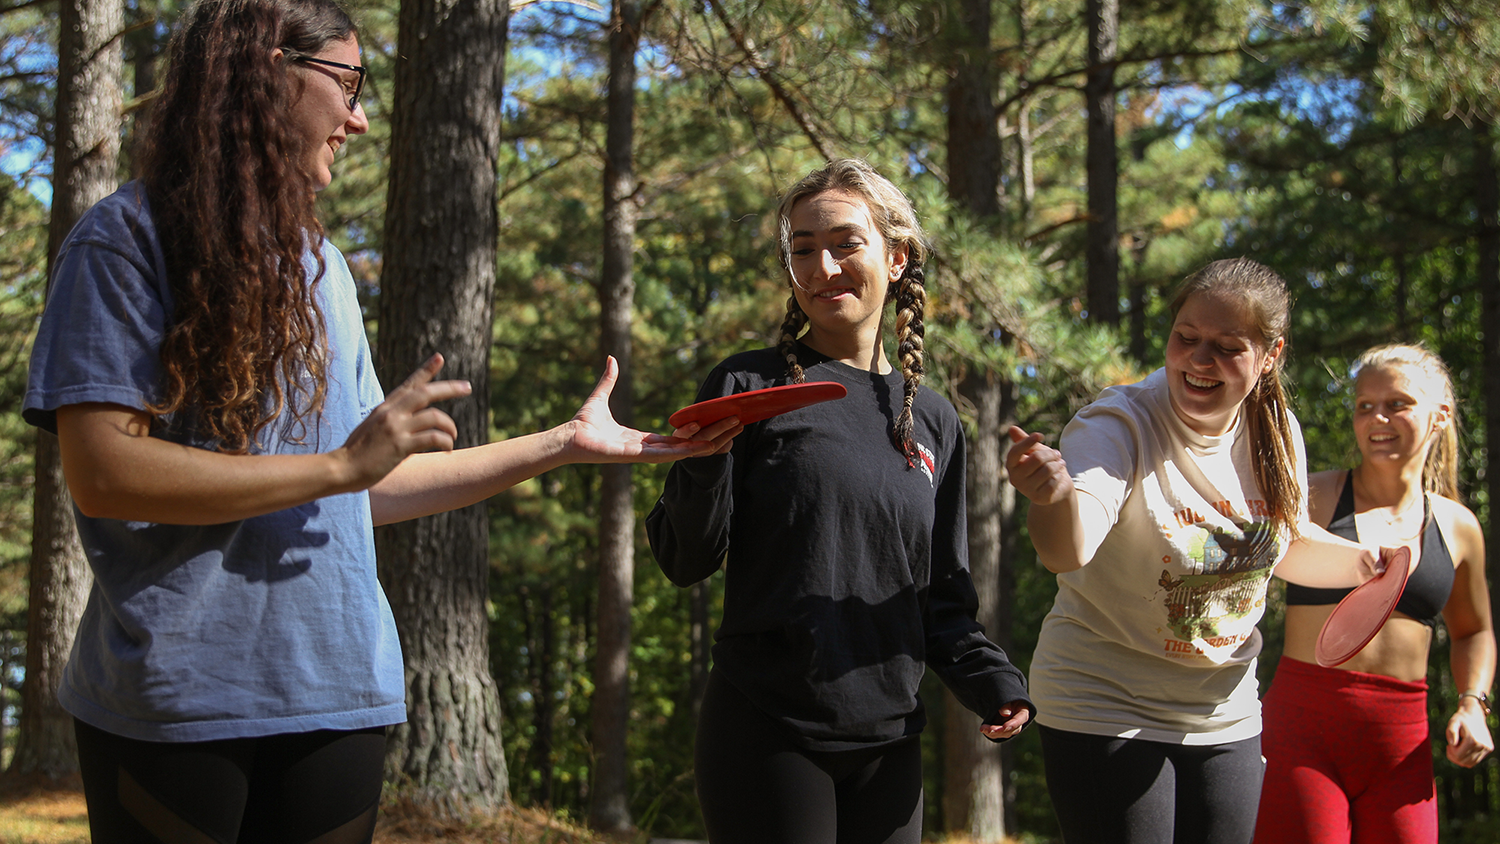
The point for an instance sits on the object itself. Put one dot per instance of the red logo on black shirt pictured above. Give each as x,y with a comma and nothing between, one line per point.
928,464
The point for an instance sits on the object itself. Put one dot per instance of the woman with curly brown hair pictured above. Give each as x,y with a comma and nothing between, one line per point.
847,554
203,362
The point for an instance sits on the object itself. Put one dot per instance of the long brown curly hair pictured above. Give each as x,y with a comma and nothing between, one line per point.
233,204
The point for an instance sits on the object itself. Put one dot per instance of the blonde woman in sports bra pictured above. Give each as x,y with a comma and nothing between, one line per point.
1347,747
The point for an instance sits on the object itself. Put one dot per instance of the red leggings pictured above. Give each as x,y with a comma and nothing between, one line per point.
1347,759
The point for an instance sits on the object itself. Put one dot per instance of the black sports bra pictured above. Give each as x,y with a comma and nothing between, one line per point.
1427,587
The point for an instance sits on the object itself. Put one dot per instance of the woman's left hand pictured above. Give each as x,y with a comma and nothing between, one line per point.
1468,735
1012,718
595,432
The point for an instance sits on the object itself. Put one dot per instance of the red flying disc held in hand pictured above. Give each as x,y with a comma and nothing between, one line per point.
756,405
1357,618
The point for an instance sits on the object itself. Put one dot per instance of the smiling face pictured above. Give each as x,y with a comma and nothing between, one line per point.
1215,355
841,268
1394,420
321,112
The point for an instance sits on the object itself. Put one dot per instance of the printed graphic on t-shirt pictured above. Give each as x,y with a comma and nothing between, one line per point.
1211,613
927,463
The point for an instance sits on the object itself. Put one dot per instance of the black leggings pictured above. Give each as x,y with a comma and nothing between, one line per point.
1133,791
321,787
756,785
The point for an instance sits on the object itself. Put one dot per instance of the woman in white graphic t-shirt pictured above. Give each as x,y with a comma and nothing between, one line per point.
1164,513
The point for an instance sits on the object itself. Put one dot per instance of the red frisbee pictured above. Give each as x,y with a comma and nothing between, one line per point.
756,405
1357,618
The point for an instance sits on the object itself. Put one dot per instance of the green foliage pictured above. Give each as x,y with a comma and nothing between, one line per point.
1319,137
23,247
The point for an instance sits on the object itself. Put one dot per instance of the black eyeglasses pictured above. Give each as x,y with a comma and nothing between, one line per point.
359,87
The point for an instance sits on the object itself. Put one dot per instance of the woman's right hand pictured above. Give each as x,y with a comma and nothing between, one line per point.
1037,471
402,425
720,433
1374,565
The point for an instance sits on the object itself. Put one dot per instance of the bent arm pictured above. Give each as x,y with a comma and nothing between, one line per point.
689,527
115,470
1068,533
1066,526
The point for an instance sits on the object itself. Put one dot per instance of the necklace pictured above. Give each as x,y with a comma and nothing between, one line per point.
1393,520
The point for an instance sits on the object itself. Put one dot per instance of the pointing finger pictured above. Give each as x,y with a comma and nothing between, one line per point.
424,373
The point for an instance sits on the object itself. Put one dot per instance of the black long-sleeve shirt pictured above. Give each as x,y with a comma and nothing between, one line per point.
847,569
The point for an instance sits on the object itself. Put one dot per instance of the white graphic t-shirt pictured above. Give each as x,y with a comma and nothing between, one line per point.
1155,638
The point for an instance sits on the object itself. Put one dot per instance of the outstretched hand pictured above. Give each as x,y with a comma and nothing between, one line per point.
1012,717
1037,471
595,433
404,424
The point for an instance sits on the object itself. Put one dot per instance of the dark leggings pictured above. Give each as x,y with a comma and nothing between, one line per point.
320,787
756,785
1134,791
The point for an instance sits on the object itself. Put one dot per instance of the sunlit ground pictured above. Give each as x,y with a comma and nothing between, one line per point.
46,818
60,818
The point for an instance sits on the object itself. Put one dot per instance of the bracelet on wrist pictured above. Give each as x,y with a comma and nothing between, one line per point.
1482,698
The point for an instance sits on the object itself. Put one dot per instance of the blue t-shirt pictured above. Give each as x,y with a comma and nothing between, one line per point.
268,625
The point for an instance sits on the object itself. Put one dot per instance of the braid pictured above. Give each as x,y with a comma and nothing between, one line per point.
911,300
896,222
792,326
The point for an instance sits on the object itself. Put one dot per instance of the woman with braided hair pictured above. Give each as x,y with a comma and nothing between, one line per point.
844,529
203,362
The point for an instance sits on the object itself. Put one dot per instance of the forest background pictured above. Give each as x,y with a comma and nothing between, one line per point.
544,183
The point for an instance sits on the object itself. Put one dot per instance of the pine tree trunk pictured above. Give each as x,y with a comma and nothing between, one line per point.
436,295
1103,163
86,152
973,133
609,807
973,779
973,788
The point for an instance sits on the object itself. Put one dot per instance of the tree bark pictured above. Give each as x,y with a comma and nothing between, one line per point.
973,133
609,807
86,152
973,782
436,295
973,787
1103,288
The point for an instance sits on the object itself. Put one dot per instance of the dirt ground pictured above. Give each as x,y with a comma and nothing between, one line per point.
61,818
